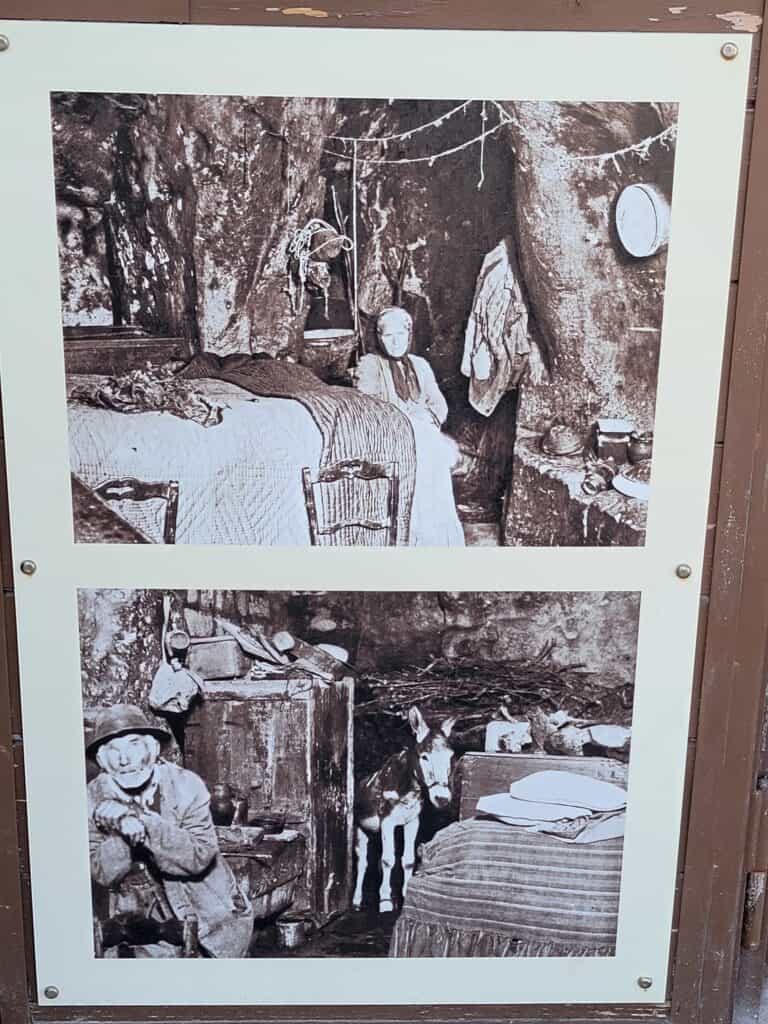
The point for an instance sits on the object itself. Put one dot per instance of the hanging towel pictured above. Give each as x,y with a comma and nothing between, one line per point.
496,339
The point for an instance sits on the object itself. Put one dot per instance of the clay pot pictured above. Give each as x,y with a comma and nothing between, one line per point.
222,804
640,447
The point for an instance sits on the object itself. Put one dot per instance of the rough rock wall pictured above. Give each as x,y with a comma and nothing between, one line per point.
397,630
119,644
599,310
184,205
84,146
204,195
596,630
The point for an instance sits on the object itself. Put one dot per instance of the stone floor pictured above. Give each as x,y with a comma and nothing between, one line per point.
363,933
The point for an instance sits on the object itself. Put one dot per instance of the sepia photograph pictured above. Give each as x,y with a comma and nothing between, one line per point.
304,321
356,774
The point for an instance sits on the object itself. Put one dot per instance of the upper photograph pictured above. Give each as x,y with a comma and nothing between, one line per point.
296,321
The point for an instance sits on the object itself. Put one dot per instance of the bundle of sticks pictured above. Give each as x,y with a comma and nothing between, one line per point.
475,692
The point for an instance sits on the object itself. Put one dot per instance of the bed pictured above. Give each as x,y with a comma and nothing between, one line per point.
240,481
484,888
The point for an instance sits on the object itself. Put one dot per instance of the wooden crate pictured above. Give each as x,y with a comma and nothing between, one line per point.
483,774
114,350
287,746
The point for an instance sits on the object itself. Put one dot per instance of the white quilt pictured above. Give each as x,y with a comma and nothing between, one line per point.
239,482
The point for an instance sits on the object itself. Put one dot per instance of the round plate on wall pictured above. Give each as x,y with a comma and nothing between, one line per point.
642,220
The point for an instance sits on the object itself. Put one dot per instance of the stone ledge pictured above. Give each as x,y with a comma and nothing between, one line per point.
546,507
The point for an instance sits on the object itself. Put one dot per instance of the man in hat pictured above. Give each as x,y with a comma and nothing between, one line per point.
153,843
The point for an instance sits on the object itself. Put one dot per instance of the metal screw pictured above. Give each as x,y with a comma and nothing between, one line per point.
728,51
51,992
645,983
683,571
5,42
28,567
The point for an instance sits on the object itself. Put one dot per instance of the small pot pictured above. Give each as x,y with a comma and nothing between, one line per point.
271,823
222,804
640,447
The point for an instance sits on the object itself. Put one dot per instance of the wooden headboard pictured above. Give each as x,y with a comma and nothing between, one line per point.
113,350
482,774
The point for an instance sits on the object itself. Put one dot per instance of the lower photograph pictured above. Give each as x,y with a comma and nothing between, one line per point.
356,774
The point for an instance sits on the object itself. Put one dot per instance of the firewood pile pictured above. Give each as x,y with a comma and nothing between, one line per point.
478,694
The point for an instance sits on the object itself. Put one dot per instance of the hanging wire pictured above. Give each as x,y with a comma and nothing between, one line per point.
641,149
483,119
436,123
355,312
421,159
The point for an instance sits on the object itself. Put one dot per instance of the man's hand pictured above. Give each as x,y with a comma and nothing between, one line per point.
132,830
109,814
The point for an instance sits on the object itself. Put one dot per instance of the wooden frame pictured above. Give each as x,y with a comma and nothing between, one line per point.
352,469
730,684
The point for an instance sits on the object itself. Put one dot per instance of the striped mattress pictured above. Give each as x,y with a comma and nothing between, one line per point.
484,888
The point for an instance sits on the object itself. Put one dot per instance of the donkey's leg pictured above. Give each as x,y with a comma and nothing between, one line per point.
387,863
410,831
361,849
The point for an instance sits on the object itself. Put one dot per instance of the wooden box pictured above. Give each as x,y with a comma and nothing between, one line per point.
286,745
268,869
114,350
483,774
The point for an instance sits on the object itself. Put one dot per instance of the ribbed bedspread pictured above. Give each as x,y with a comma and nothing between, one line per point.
488,889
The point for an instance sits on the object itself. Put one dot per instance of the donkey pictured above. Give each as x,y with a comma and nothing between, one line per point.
395,795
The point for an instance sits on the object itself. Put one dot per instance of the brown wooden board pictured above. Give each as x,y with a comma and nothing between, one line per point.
732,686
486,773
725,720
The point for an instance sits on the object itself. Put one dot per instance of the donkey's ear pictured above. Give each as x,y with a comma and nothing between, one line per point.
417,723
447,727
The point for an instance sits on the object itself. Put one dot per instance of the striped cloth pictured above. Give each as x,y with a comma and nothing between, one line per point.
352,426
489,889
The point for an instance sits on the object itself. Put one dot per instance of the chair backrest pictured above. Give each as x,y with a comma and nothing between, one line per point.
333,507
481,774
188,942
131,489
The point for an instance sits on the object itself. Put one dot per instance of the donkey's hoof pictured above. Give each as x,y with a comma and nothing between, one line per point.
385,906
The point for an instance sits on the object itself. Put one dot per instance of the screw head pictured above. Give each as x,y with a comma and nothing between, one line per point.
5,42
683,571
28,567
644,983
728,51
51,992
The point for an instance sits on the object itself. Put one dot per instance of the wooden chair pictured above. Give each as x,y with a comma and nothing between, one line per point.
365,473
130,489
189,947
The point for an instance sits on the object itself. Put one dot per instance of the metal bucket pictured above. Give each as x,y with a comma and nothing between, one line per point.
291,932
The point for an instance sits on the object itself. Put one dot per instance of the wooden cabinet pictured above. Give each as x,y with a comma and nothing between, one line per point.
286,745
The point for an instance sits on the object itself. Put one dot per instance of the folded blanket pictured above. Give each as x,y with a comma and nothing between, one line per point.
572,807
559,787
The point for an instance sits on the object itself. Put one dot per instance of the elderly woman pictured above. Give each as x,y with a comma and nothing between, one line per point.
407,381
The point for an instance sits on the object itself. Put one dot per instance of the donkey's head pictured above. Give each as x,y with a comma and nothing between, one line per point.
433,757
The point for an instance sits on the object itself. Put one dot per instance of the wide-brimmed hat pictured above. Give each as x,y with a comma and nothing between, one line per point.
120,720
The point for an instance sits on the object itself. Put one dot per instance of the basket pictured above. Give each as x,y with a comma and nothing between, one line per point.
328,351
